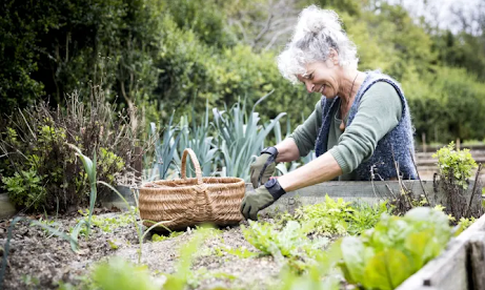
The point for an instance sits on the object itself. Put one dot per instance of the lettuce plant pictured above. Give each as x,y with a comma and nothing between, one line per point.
382,258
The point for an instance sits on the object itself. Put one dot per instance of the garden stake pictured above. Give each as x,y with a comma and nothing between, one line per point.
474,189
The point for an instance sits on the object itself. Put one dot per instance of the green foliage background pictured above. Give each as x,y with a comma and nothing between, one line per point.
164,55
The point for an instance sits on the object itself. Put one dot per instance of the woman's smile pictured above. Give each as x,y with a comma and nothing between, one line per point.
322,88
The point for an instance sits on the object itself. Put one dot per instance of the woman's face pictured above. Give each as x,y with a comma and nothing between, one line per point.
322,77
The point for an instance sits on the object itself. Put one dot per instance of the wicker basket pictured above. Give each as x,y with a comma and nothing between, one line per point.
191,201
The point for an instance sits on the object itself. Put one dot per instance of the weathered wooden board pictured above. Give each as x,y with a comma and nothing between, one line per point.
476,255
360,191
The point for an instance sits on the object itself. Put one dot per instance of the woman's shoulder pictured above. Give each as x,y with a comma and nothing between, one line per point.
382,87
382,96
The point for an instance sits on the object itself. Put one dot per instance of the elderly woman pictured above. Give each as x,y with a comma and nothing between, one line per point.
360,129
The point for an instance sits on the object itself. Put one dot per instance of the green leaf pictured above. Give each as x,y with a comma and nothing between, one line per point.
353,255
387,270
118,274
422,247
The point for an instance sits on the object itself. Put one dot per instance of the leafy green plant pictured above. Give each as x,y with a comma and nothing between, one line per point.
336,217
242,253
326,218
25,188
319,275
365,216
382,258
455,165
291,242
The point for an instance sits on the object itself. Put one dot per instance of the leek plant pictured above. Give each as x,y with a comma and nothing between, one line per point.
241,136
90,168
164,149
134,211
196,137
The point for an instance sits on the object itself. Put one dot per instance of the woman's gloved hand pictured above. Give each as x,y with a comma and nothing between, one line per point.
264,167
262,197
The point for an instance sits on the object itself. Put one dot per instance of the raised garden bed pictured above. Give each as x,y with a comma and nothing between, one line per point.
226,258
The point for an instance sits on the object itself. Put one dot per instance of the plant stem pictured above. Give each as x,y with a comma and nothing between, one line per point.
419,177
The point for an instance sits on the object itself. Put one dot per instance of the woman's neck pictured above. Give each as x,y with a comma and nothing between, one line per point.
351,82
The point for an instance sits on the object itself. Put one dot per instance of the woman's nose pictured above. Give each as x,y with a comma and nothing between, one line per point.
309,87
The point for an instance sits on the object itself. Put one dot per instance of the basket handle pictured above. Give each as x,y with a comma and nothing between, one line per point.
195,162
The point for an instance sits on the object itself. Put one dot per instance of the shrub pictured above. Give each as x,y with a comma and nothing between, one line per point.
39,171
455,165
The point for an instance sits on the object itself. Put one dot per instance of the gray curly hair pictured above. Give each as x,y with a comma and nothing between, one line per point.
318,31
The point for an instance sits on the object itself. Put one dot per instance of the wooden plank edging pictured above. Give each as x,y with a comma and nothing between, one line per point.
460,267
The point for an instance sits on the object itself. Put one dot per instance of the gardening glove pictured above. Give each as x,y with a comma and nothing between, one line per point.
262,197
264,167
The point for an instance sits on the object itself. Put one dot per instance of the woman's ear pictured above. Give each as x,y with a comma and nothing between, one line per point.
334,57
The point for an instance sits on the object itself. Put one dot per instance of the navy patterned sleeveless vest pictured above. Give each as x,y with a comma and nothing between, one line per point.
397,145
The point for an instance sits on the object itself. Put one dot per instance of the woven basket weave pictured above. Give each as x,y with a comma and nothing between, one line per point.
191,201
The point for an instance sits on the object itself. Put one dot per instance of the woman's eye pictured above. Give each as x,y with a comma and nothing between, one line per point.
310,77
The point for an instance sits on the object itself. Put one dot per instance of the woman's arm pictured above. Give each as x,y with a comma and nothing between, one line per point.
302,140
287,151
324,168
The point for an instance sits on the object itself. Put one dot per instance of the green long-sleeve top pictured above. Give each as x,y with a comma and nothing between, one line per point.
379,111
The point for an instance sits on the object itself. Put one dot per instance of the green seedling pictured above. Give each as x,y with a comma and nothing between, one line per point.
289,245
118,274
108,224
90,168
243,252
465,223
139,230
30,282
160,238
183,274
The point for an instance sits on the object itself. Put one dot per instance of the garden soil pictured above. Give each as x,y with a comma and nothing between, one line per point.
39,261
